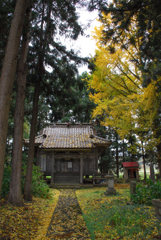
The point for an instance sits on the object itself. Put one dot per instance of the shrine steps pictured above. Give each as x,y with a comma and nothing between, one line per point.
65,186
75,186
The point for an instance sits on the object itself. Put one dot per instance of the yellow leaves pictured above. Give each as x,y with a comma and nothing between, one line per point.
117,82
47,215
121,186
28,222
67,221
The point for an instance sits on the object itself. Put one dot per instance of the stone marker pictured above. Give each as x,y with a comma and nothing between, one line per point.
110,190
132,187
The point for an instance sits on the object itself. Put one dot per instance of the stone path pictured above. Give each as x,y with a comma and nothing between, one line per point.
67,221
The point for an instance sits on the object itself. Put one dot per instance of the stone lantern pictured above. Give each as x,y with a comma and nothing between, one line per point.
110,190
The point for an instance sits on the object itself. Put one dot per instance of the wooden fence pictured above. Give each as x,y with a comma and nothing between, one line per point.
95,178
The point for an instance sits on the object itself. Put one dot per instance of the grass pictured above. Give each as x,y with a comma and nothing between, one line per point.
111,217
106,217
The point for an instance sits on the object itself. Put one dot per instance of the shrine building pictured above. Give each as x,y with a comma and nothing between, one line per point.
67,152
131,170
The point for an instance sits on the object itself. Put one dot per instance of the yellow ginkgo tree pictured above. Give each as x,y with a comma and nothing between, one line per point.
119,95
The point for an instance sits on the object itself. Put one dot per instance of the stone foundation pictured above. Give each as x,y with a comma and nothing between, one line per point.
109,191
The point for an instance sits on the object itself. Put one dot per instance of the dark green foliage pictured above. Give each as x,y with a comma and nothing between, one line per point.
146,192
6,181
83,108
107,161
147,20
24,158
69,101
57,86
116,153
39,186
107,158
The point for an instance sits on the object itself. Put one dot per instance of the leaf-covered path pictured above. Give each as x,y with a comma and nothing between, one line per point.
67,221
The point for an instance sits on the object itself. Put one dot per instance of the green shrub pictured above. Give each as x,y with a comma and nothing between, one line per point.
39,187
146,192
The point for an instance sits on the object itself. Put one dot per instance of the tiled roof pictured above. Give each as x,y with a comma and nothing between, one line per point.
75,136
38,140
72,137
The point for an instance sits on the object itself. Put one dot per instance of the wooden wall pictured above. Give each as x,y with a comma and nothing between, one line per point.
90,162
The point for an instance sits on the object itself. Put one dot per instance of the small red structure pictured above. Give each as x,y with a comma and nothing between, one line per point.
131,170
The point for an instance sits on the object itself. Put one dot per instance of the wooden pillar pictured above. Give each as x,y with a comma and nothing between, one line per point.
81,167
52,168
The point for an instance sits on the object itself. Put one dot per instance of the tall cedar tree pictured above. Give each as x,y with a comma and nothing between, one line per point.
15,195
7,75
6,15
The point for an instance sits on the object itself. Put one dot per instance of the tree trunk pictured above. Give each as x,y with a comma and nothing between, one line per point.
15,194
103,167
123,152
117,157
143,160
159,157
157,132
132,155
28,179
7,76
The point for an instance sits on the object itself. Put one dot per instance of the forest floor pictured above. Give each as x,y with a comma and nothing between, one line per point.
81,214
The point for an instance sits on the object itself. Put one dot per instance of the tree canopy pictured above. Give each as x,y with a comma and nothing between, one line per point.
121,96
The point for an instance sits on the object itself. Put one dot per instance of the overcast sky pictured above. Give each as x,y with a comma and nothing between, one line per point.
85,45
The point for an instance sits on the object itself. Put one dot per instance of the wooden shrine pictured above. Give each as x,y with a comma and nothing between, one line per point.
131,170
68,152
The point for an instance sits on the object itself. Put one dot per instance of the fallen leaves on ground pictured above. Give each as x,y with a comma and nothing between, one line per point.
121,186
113,217
67,221
28,222
106,217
